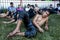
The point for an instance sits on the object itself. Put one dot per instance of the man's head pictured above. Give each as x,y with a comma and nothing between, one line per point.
36,5
11,4
19,6
51,5
58,4
32,6
36,9
45,13
28,5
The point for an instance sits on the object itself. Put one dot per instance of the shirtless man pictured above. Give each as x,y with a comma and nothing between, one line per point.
31,31
39,20
23,17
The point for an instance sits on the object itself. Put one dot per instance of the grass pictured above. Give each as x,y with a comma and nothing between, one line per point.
48,0
52,34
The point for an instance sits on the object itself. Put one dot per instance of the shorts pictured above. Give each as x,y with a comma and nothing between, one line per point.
15,15
31,31
22,15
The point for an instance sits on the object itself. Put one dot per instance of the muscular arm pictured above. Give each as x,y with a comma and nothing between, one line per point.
35,21
46,24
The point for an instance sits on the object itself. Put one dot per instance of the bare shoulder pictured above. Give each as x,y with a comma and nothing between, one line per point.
37,15
46,17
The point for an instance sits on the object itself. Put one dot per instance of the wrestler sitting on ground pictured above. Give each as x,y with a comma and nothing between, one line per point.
18,9
40,19
11,11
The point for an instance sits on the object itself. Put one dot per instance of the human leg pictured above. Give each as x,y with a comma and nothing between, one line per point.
3,15
16,29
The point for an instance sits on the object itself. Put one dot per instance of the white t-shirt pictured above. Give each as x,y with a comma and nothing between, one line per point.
58,8
27,9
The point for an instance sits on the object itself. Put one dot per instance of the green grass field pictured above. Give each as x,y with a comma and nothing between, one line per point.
52,34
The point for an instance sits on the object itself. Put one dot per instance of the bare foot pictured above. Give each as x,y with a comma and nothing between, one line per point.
13,33
17,33
46,27
20,33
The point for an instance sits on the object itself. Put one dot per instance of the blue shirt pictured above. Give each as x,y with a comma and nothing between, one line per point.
12,9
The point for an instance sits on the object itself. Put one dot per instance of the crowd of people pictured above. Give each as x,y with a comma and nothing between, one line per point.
32,16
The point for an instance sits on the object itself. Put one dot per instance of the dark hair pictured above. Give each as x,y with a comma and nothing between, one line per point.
39,12
28,4
11,2
50,4
32,6
36,5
